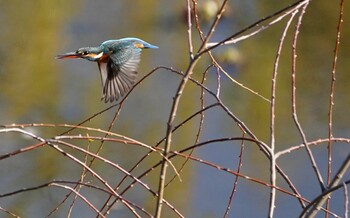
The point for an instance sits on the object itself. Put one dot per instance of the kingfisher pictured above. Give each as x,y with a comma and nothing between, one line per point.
117,61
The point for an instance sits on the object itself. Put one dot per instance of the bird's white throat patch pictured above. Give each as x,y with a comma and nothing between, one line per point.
99,55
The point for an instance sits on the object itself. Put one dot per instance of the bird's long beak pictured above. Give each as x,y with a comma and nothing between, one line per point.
68,55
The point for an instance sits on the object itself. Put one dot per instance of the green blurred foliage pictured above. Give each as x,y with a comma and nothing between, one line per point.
30,83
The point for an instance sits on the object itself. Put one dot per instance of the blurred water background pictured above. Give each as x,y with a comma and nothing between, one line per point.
36,88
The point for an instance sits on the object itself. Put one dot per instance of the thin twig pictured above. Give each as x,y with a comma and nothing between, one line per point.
81,179
272,116
189,30
9,213
234,187
316,142
81,197
331,95
346,201
294,108
22,150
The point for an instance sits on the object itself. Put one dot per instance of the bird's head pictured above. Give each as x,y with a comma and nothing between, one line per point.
89,53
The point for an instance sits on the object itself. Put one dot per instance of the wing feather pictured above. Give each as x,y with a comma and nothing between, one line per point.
118,73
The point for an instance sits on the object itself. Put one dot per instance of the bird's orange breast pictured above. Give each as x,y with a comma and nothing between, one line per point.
104,58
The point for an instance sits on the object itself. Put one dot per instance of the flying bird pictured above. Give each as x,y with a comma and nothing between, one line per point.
117,61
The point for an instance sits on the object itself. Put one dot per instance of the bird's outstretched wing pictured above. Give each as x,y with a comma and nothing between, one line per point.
118,73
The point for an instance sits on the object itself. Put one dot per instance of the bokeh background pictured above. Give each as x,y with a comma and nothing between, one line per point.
36,88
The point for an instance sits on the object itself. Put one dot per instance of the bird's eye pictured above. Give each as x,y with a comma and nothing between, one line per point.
82,52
